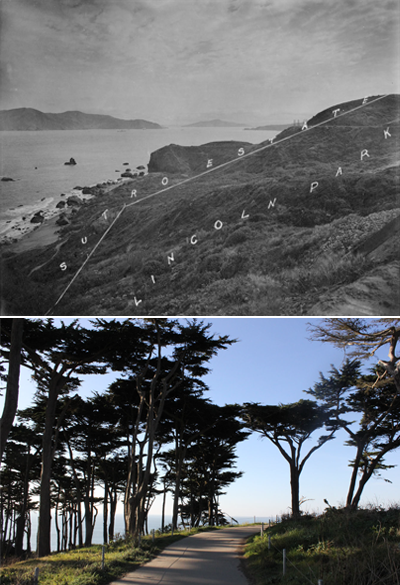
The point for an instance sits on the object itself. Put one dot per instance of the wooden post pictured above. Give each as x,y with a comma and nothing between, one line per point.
153,533
269,542
262,528
102,556
284,561
37,575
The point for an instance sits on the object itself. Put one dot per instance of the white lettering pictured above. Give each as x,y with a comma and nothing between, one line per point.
386,132
104,214
241,152
305,126
365,100
272,203
339,171
134,192
210,163
244,216
136,301
171,258
314,185
84,240
63,266
193,239
334,112
364,153
165,181
153,279
218,224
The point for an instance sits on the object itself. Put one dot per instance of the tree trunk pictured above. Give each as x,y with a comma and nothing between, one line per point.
113,509
28,533
19,541
44,525
88,521
295,490
354,474
105,512
163,507
56,521
180,457
12,390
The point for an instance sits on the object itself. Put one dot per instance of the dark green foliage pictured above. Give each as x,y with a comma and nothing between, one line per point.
377,403
288,427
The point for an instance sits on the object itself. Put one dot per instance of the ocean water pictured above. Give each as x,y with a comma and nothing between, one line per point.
35,160
154,523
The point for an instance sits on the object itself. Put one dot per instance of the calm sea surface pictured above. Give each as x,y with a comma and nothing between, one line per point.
35,160
154,522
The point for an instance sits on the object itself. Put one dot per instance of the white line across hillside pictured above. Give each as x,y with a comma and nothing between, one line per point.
210,170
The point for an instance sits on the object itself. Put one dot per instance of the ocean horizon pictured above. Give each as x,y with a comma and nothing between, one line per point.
35,162
154,523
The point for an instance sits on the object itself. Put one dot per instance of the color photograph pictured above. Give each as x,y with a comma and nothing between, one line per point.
220,451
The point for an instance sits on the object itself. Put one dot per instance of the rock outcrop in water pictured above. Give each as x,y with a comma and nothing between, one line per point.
305,226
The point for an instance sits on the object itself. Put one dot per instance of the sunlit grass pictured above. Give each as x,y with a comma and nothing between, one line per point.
84,566
339,547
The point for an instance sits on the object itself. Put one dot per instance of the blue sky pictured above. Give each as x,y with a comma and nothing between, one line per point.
272,363
175,60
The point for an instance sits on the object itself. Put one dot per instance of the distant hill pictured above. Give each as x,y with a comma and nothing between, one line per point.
305,226
271,127
214,124
30,119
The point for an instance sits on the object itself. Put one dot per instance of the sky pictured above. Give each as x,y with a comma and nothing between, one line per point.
174,61
273,362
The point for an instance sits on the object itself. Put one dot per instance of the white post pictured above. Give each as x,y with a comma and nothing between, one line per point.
284,561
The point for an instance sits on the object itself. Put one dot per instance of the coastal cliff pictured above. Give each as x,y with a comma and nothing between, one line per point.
305,225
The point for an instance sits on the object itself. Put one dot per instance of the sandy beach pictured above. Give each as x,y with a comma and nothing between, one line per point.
17,232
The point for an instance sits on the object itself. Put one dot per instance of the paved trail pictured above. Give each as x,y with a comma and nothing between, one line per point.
208,558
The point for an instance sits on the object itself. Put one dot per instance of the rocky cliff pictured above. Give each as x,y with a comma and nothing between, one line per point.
307,225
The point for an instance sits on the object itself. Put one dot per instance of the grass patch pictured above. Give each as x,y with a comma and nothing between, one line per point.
84,566
340,547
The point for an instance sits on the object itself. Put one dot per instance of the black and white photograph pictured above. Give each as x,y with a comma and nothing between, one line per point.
199,157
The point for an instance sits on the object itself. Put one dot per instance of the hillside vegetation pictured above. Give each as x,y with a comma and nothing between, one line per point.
340,547
302,227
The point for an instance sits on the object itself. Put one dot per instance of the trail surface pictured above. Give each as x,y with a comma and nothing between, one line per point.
208,558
